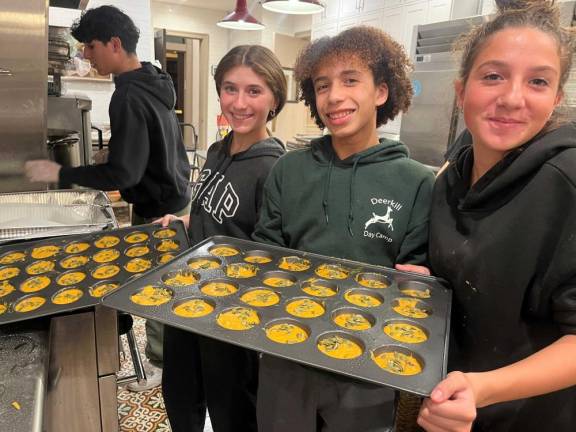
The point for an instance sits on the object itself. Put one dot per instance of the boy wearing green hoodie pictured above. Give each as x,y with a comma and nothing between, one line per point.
349,195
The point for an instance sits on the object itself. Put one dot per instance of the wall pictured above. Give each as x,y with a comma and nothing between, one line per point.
100,92
187,19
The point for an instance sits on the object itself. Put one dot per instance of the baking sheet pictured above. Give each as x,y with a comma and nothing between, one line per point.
432,353
16,276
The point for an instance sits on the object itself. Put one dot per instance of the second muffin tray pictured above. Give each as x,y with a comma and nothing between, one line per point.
66,273
368,322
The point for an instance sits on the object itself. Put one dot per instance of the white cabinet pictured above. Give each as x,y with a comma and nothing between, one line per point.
330,13
350,8
439,10
393,23
329,29
416,14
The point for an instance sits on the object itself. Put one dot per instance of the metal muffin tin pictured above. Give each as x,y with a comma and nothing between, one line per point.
432,353
10,300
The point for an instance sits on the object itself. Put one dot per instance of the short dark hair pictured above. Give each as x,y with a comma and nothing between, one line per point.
103,23
377,50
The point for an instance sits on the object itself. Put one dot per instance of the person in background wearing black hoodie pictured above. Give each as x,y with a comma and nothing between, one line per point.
350,195
503,233
147,159
200,371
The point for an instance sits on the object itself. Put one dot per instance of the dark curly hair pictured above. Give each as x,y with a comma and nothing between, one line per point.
102,24
377,50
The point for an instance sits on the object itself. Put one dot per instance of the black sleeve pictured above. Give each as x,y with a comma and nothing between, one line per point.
463,140
129,150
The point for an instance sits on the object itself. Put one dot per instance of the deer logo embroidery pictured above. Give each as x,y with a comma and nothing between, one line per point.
386,219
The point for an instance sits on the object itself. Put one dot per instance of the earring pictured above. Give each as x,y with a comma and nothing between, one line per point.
272,114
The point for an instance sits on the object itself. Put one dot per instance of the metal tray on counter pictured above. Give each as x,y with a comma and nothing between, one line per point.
28,215
61,274
325,312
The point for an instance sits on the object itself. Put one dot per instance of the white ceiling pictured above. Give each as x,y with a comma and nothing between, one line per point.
224,5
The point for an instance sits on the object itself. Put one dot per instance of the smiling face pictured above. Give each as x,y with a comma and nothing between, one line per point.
511,91
246,100
346,100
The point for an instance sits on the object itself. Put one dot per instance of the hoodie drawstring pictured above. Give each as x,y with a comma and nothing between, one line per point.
352,196
327,189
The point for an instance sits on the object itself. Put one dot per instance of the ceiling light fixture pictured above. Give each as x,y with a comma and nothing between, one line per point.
296,7
240,19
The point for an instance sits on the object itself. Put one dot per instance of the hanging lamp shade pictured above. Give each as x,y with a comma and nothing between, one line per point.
296,7
240,19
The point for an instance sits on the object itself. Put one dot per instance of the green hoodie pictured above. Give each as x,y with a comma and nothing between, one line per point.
371,207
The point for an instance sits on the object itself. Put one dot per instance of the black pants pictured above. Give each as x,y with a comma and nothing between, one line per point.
200,372
295,398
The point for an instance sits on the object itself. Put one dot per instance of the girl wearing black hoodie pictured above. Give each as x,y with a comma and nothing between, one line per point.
200,372
503,232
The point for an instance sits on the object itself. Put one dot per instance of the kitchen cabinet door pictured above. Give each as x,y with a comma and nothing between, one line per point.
393,23
415,14
439,11
349,8
329,29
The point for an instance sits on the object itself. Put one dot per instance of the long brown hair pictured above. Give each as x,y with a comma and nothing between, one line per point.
264,64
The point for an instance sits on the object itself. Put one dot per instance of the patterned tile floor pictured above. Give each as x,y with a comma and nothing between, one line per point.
142,411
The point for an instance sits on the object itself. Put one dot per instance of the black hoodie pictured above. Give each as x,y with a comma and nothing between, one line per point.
508,246
147,160
227,197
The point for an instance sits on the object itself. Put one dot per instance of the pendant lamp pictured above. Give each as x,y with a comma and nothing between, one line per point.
296,7
240,19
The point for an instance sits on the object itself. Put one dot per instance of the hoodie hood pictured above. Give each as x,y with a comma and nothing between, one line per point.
151,80
324,154
504,180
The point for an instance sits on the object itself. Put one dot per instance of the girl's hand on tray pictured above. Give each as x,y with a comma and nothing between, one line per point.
413,268
451,406
166,219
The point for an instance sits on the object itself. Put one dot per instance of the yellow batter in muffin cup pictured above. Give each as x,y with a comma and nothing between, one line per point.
204,263
136,237
106,255
165,257
74,261
164,233
238,318
33,284
70,278
8,272
410,307
42,252
138,265
278,279
67,296
294,263
260,297
168,245
76,247
102,288
319,288
137,251
405,332
12,257
181,278
340,346
305,308
105,271
415,289
29,304
287,332
193,308
351,319
257,257
332,271
372,280
223,250
39,267
219,288
362,298
6,288
241,270
151,296
106,242
397,361
3,308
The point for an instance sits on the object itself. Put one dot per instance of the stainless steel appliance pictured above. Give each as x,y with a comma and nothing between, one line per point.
23,89
433,121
